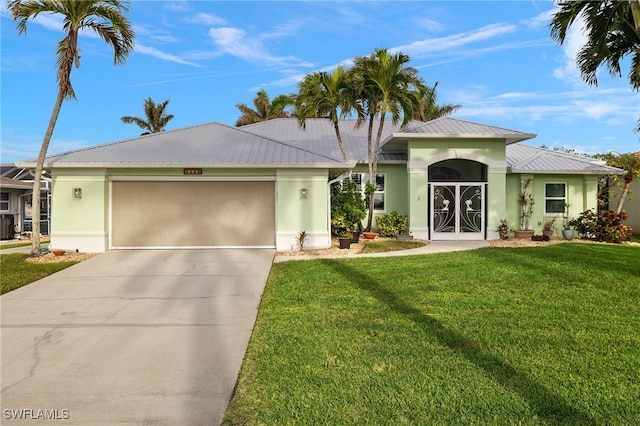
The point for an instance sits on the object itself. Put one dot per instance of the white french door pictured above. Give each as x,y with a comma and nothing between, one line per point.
457,211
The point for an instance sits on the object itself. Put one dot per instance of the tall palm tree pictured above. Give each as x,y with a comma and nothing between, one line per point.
613,32
328,96
156,120
106,18
387,86
265,108
428,109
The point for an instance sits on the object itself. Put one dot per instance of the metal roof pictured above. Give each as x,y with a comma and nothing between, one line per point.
6,182
283,143
529,159
449,127
213,144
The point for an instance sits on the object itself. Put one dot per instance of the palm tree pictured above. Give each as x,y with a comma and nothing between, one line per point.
428,109
106,18
613,32
328,96
386,86
265,109
157,118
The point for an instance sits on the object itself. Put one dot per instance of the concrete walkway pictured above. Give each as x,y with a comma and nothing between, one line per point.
432,247
144,337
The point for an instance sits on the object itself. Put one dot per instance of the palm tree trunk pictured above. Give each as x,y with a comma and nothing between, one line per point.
625,190
36,250
344,151
371,159
373,169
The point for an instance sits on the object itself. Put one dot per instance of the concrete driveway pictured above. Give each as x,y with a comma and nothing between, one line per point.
145,337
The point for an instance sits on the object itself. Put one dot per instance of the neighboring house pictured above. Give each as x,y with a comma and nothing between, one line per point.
631,203
12,194
259,185
17,185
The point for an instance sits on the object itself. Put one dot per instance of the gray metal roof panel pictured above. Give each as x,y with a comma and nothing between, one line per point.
449,126
529,159
211,143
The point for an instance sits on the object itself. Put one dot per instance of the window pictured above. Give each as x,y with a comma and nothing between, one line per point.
361,180
4,201
555,198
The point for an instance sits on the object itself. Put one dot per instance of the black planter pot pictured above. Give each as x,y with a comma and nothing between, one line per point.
356,237
345,243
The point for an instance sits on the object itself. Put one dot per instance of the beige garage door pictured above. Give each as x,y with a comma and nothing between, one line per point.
193,214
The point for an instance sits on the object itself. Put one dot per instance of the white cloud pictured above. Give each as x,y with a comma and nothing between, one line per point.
443,44
152,51
236,42
541,20
575,39
206,19
429,24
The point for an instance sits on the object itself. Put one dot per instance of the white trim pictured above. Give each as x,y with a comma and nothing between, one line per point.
545,198
80,178
198,178
301,178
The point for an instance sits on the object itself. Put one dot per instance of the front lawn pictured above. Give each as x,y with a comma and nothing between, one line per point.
493,336
15,272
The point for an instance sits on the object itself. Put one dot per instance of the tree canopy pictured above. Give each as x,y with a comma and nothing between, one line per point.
612,28
156,117
265,108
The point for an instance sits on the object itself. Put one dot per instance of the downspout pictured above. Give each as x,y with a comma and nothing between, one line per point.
331,182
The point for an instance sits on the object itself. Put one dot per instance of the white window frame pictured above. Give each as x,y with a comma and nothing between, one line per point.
364,178
564,199
3,202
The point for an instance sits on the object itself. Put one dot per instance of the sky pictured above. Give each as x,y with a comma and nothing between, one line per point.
494,58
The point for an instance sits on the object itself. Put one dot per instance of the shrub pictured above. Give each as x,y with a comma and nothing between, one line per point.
503,229
606,226
393,224
347,207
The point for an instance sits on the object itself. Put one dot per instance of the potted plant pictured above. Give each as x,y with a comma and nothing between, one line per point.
548,226
567,229
345,240
369,235
526,202
568,233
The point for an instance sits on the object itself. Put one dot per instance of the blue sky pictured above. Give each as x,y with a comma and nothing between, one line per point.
496,59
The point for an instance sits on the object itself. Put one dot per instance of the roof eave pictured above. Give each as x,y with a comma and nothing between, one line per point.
566,172
173,165
509,138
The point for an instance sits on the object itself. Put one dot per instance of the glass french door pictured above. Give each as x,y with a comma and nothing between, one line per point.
457,211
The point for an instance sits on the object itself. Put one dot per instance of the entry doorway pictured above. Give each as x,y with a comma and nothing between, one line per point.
457,207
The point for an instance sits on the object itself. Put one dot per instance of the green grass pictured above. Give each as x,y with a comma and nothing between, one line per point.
14,245
391,245
493,336
16,272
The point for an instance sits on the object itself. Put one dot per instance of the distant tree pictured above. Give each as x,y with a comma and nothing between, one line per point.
156,117
104,17
613,32
630,163
428,109
324,95
265,108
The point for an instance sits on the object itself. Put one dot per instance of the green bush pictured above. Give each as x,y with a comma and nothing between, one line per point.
605,226
347,208
393,224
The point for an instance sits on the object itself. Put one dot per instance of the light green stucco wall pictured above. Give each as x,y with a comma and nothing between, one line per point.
295,213
79,223
582,194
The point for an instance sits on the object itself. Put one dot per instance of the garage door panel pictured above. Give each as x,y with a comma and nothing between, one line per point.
193,214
